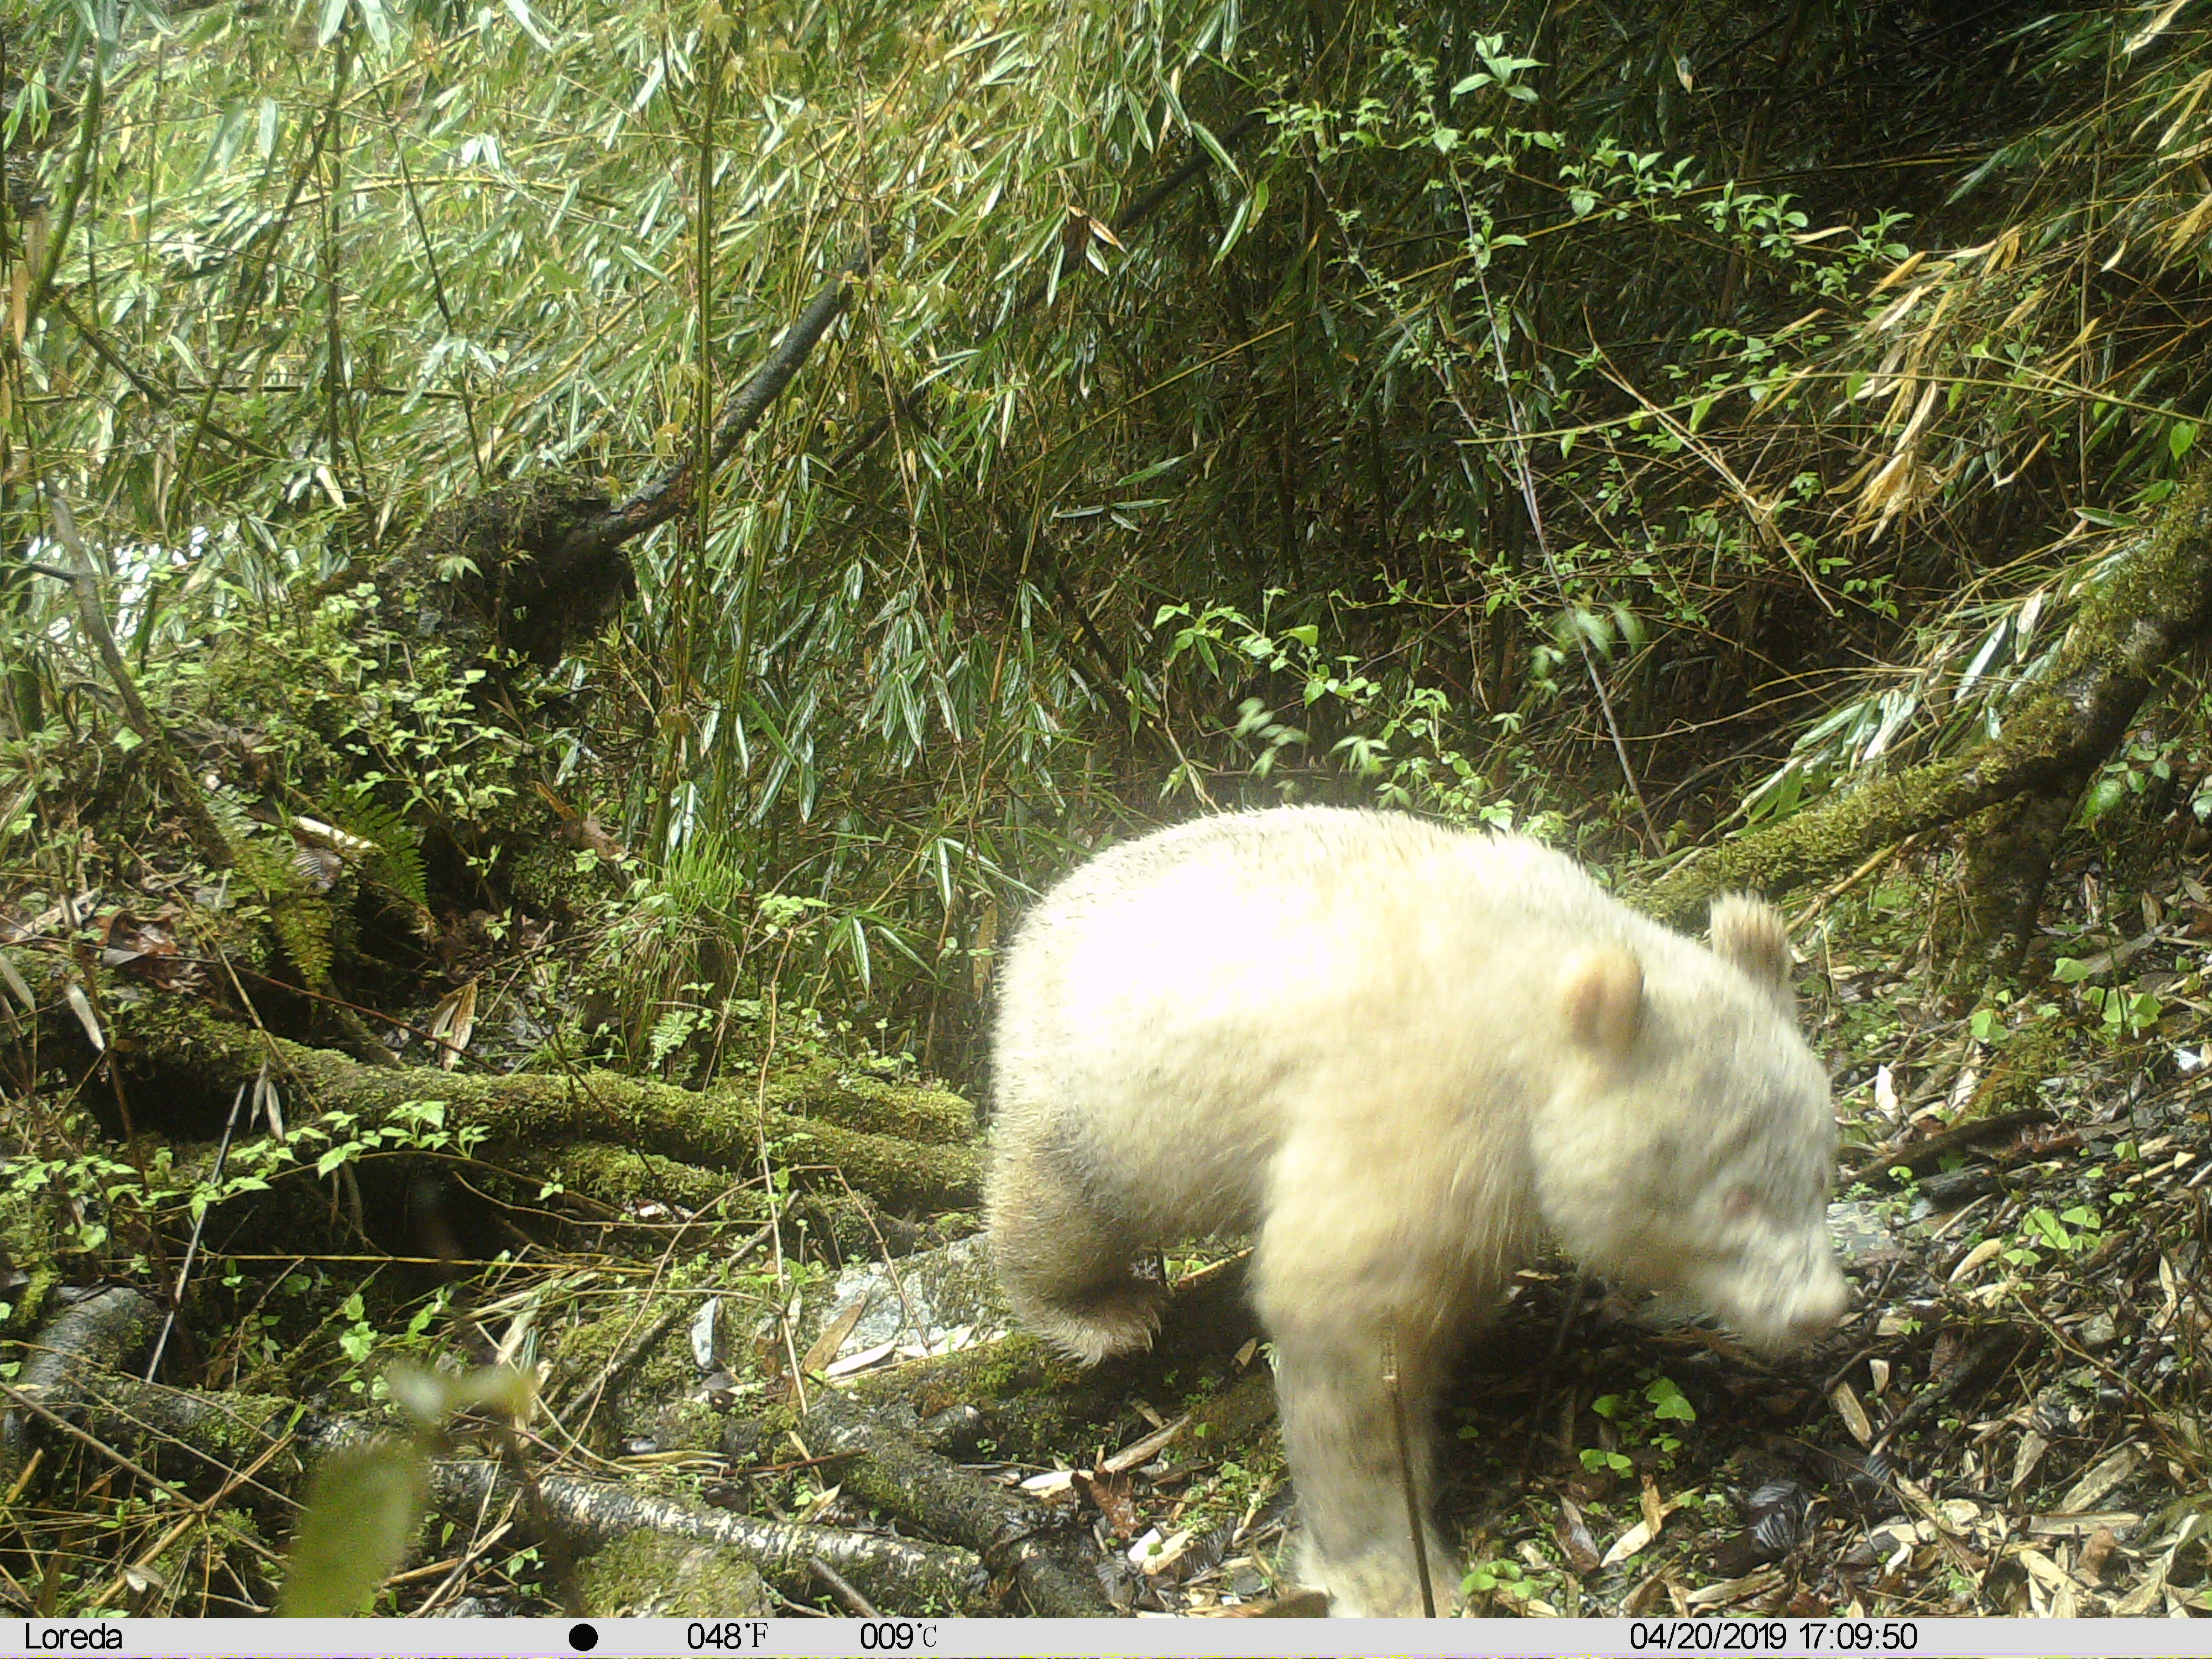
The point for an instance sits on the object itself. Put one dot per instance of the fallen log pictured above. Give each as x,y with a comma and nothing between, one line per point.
895,1472
721,1128
92,1335
260,1448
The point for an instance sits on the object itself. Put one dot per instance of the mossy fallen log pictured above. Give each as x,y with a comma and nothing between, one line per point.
647,1575
721,1128
224,1432
2148,607
893,1471
94,1334
624,1179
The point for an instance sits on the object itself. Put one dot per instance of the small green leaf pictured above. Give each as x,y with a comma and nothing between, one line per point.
2103,795
1668,1402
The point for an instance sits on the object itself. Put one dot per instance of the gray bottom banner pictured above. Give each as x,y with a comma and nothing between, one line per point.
1817,1638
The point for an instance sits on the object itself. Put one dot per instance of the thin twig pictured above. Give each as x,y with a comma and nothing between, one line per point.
1414,1519
768,1182
661,500
1759,511
24,1401
84,582
1551,1363
640,1343
192,1246
845,1593
1527,480
233,1480
81,174
1829,895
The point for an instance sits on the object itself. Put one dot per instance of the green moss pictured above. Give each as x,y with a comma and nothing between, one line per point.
625,1179
821,1089
29,1303
1014,1367
656,1394
644,1574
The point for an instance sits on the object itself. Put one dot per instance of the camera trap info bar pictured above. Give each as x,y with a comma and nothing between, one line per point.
924,1638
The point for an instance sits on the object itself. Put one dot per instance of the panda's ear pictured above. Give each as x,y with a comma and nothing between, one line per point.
1749,933
1601,1000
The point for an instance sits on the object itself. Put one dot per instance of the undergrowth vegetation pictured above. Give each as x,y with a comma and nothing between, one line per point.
1111,501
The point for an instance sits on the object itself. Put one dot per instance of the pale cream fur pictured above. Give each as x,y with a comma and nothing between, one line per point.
1401,1055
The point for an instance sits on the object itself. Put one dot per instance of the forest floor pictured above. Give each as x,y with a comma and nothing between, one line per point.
814,1400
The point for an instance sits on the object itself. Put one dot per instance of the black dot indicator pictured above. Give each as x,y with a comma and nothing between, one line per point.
583,1637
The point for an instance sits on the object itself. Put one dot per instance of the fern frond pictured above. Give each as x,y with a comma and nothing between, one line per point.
301,919
303,923
398,861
